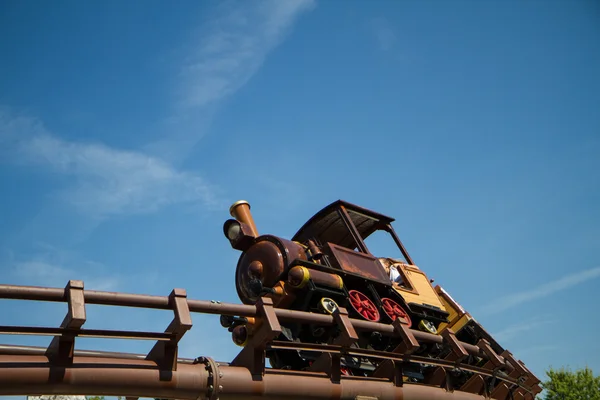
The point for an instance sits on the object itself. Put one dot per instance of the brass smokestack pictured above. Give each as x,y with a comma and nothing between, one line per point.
240,210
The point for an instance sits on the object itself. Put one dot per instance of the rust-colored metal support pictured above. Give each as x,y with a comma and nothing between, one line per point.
253,354
495,360
458,351
521,374
330,363
392,369
409,342
28,375
61,347
477,383
441,376
165,353
208,307
61,369
347,334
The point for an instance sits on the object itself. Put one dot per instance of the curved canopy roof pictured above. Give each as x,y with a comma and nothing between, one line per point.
327,225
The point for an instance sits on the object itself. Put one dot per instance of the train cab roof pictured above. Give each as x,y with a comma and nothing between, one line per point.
330,224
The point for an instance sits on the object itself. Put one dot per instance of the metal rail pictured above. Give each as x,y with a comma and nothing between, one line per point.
35,375
205,307
61,369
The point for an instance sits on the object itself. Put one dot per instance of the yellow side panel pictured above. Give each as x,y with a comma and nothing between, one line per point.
458,317
452,318
458,325
425,294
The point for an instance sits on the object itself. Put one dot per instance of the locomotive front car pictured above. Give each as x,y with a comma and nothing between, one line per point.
327,264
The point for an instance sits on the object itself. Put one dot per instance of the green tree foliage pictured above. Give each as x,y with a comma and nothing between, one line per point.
564,384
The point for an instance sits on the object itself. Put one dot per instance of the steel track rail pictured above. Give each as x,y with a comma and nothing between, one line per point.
36,293
392,357
63,369
127,376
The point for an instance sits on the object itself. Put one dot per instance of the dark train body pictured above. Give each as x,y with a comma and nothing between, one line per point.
327,264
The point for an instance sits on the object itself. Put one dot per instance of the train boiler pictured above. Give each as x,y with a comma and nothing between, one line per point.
333,262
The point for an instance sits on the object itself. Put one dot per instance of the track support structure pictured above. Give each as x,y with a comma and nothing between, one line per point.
61,368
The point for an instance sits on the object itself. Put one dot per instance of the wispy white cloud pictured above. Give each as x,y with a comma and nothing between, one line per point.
234,47
105,181
543,290
108,181
512,331
383,32
538,349
48,265
38,272
222,57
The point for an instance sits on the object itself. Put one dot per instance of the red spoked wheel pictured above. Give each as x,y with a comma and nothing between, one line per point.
364,306
394,310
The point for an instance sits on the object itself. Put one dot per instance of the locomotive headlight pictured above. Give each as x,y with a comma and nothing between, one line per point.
238,234
232,229
328,305
427,326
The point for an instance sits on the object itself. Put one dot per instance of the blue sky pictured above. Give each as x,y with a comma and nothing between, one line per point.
127,130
